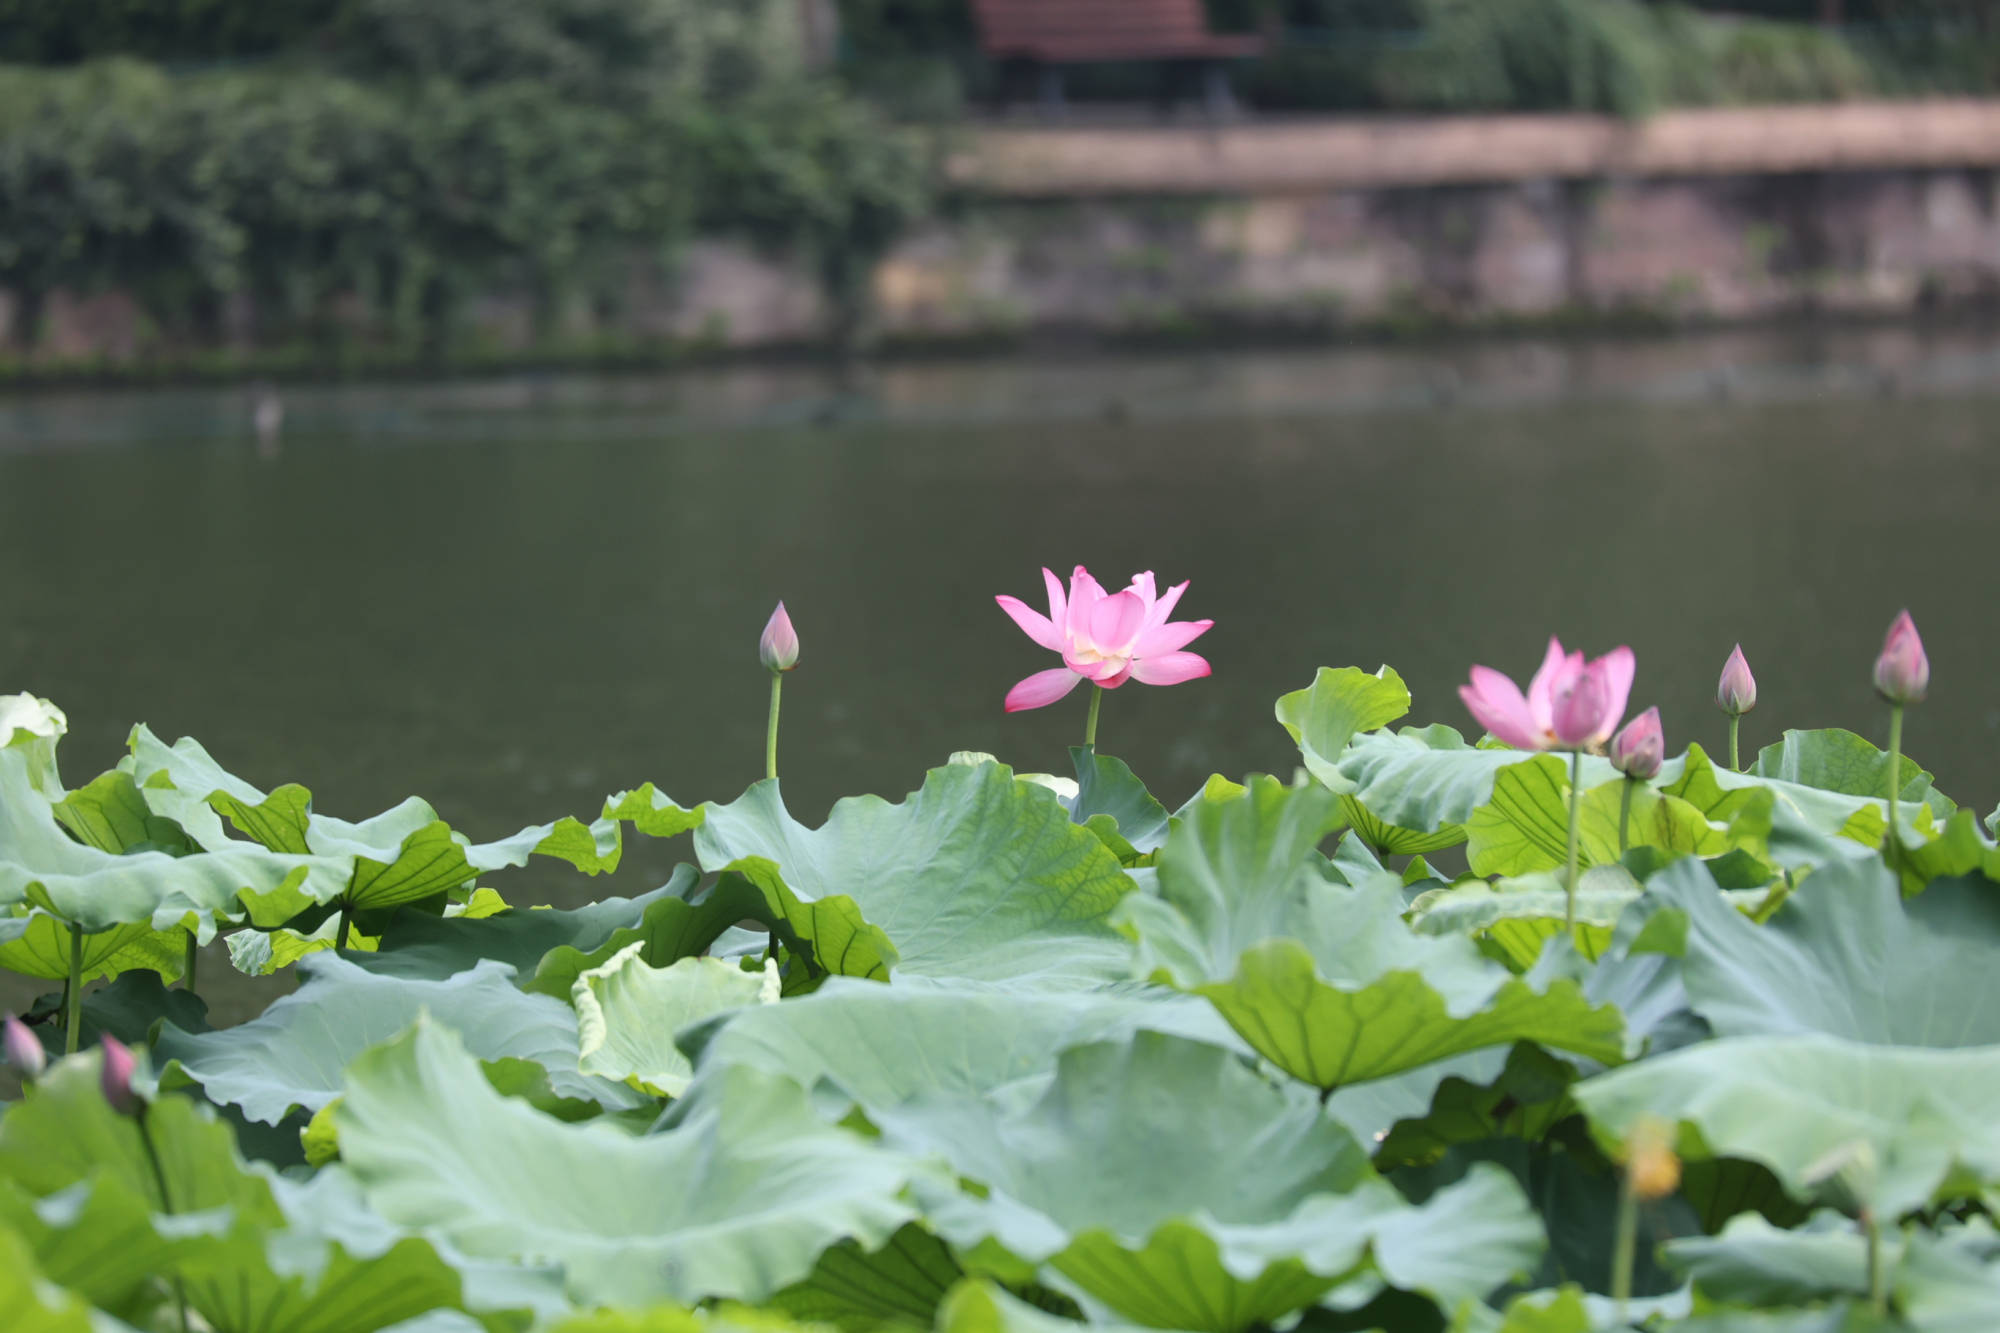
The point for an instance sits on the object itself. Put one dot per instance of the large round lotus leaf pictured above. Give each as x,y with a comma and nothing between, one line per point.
737,1200
879,1046
1847,955
296,1052
976,875
1327,981
42,865
1884,1126
1167,1180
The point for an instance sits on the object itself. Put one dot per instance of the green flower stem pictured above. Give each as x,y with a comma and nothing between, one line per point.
1895,772
346,923
1625,815
771,732
1625,1248
1735,759
1090,723
193,957
166,1198
1575,814
73,1018
1774,899
1878,1280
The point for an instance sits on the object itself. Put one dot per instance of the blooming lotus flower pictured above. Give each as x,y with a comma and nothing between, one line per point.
1105,638
1638,750
24,1052
1736,691
778,647
1571,704
116,1076
1903,672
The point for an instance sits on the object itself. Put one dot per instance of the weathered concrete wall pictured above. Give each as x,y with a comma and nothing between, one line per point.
1341,226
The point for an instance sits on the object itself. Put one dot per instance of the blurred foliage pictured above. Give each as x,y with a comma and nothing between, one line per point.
412,152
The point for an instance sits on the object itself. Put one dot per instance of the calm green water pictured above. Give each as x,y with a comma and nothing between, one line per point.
514,598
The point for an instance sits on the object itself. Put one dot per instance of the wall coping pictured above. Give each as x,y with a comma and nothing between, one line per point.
1363,152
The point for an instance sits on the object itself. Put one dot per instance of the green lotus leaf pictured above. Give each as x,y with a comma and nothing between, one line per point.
293,1055
41,865
67,1133
1429,778
110,813
1525,827
420,944
38,943
1846,955
1166,1180
33,1303
402,855
262,953
737,1200
671,928
1840,762
876,1046
1887,1127
1107,790
1958,849
1325,718
1521,915
627,1013
980,1305
1326,981
1339,705
854,1288
976,875
95,1238
1993,822
32,728
1751,1262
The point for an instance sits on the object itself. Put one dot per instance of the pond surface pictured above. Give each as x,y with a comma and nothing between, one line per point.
513,598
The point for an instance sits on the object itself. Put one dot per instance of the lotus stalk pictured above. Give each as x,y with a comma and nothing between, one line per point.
1106,639
1652,1171
1735,695
73,993
778,650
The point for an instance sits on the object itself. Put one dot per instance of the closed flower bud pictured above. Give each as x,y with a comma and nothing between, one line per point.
116,1077
778,649
1902,672
24,1052
1736,692
1637,750
1650,1163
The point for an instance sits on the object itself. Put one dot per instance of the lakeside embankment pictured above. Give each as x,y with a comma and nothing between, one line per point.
1323,228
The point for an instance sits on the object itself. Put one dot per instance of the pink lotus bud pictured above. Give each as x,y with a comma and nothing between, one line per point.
1638,749
778,650
1581,710
1902,672
23,1051
1736,692
116,1077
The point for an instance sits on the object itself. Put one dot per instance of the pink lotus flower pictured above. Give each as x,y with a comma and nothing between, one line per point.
116,1076
778,646
1105,638
1736,691
1903,672
1638,750
1571,704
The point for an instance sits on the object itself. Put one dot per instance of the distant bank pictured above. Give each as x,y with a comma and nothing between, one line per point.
1349,228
